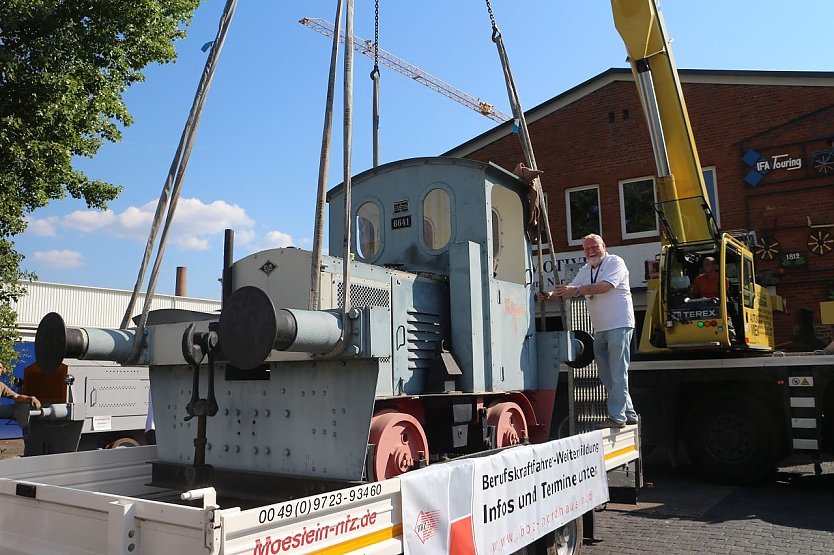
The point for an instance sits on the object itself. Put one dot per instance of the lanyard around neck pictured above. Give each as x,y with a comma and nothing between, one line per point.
594,275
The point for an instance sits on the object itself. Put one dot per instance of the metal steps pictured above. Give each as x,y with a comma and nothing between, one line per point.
588,402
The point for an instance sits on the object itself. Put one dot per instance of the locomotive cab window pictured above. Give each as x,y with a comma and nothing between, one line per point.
368,230
437,219
508,244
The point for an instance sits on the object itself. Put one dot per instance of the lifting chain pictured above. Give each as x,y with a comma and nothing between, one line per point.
375,79
376,39
496,34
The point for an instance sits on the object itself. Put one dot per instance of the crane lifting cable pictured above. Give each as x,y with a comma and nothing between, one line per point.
538,207
375,79
173,183
347,153
324,167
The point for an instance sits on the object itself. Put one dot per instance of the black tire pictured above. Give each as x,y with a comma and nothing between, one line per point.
732,439
566,540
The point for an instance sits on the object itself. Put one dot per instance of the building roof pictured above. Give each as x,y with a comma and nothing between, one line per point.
706,76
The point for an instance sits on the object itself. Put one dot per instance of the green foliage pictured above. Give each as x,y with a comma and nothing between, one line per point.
10,291
64,65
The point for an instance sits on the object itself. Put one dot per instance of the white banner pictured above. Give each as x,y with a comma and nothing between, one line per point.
498,504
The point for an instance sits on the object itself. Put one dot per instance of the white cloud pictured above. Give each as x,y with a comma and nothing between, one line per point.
43,227
245,236
195,217
197,227
273,239
88,221
136,222
194,228
60,259
192,243
277,239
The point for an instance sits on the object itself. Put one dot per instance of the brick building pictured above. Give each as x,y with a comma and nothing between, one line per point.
765,141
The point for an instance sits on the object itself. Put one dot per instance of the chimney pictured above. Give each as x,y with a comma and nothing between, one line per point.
179,289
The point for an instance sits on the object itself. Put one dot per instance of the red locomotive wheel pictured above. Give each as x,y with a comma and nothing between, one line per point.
123,442
509,423
400,441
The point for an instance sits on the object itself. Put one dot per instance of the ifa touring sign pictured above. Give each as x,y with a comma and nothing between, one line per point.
760,165
785,162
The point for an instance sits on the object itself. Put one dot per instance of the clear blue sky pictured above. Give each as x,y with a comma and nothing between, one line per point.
255,162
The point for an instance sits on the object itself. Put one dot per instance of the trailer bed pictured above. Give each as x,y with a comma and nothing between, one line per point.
101,502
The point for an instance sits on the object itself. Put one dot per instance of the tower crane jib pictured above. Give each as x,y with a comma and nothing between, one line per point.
366,48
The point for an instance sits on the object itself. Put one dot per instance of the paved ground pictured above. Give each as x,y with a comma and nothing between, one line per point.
10,448
678,514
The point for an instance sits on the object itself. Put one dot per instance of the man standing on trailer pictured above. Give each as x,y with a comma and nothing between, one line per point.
604,283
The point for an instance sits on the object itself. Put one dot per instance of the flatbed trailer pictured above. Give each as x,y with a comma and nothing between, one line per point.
102,502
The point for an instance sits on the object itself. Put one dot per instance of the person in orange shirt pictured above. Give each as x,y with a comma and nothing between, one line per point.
6,391
706,285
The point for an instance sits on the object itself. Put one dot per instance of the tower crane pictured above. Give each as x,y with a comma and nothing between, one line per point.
365,47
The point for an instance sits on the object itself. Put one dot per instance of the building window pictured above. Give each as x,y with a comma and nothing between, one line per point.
712,192
367,230
583,213
437,219
638,218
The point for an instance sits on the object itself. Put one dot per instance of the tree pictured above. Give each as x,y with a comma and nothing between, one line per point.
64,66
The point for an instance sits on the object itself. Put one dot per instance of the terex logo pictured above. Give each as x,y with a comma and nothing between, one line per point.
699,314
426,525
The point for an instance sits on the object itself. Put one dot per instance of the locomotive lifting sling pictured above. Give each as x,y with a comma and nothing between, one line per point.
173,183
538,207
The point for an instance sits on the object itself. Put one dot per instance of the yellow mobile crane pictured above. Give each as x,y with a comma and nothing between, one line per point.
736,416
740,318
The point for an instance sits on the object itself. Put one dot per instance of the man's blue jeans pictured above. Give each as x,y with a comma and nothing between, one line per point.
612,350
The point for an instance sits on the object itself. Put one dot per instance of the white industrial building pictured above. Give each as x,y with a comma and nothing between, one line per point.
83,306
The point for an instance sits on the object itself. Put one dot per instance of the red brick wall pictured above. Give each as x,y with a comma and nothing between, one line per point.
580,145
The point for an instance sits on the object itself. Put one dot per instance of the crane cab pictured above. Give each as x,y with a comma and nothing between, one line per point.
736,316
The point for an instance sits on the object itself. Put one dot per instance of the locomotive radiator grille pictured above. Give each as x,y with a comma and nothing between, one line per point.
423,338
364,295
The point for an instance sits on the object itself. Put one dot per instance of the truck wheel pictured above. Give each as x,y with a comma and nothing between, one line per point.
732,439
566,540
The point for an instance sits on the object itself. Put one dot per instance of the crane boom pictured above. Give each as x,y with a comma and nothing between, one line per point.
365,47
643,31
679,315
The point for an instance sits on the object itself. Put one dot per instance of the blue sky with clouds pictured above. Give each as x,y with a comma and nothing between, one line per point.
255,162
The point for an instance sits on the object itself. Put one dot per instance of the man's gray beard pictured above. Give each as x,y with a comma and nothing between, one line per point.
594,260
